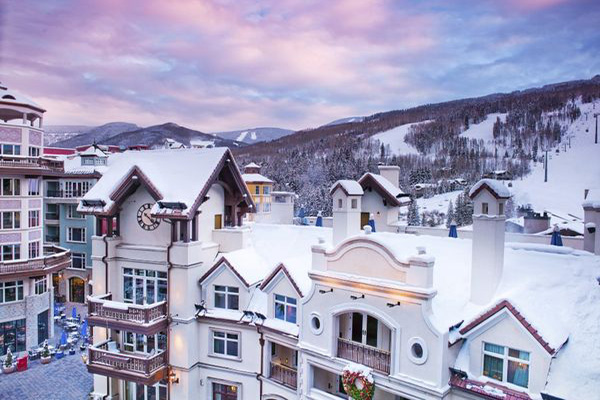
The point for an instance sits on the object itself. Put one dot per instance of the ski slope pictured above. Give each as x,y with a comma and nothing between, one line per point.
395,139
570,172
484,129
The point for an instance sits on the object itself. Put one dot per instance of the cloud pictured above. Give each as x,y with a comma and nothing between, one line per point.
224,64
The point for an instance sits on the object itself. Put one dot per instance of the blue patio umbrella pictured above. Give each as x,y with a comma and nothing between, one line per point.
319,221
74,312
63,338
453,233
372,223
556,239
84,328
301,213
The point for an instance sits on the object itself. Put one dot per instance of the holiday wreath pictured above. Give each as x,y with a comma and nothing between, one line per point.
358,382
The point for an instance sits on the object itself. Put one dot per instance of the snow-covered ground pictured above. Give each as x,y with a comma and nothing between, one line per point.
484,129
569,173
438,202
395,139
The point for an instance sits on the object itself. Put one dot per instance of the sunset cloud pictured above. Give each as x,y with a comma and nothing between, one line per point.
224,64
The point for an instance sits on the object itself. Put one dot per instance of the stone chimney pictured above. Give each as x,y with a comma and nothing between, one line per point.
391,173
346,196
489,197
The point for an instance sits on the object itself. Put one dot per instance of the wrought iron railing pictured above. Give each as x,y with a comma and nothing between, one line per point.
137,363
141,314
369,356
285,375
54,256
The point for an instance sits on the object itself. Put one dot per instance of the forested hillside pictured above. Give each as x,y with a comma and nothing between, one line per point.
527,122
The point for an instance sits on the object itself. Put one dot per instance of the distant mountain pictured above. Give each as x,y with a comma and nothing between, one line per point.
255,135
98,134
57,133
345,120
154,136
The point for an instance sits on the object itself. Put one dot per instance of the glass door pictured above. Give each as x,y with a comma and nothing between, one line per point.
144,286
138,391
365,329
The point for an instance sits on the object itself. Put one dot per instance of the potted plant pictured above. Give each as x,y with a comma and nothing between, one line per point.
45,358
8,366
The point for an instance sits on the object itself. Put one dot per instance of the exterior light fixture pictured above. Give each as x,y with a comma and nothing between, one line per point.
362,296
173,378
390,305
325,291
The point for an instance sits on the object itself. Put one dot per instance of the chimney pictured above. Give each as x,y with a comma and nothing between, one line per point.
489,197
391,173
346,196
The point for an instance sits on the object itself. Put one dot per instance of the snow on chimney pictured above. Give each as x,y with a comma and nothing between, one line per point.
391,173
489,197
346,195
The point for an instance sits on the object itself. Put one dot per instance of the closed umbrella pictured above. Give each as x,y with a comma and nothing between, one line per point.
74,313
84,328
63,338
372,223
319,221
453,233
556,239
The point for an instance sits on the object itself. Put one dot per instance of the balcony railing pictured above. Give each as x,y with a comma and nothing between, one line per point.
285,375
52,216
141,368
366,355
64,194
54,259
13,161
146,319
52,239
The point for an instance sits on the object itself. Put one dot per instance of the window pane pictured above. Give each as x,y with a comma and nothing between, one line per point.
232,348
162,290
150,291
291,300
279,311
523,355
494,348
492,367
279,297
128,287
291,314
219,346
518,373
219,300
233,301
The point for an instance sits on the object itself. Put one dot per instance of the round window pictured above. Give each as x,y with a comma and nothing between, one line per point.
316,325
417,350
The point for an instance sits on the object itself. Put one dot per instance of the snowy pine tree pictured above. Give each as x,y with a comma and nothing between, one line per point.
449,214
413,214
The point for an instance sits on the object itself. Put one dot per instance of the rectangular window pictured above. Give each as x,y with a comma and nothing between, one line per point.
285,308
34,249
226,343
267,207
144,286
11,291
76,235
501,209
78,261
41,285
11,149
34,218
11,252
224,392
257,189
11,187
11,220
76,188
354,203
227,297
340,203
266,189
72,212
506,365
42,321
34,151
34,187
484,208
12,334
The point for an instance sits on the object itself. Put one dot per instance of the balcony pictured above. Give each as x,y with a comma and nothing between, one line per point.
54,259
64,194
30,165
52,216
284,375
363,354
105,359
147,319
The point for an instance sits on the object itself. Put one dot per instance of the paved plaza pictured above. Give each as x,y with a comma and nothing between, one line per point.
63,379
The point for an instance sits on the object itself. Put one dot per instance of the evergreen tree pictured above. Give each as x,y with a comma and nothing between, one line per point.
449,214
413,214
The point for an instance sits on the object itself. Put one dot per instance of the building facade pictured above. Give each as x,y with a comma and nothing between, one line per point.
260,188
26,264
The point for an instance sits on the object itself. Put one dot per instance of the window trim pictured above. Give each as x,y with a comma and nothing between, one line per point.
30,218
505,357
70,234
226,293
82,257
225,339
285,305
13,219
40,283
14,246
69,212
18,284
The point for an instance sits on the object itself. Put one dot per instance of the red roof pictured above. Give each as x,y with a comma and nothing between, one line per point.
497,308
471,386
58,151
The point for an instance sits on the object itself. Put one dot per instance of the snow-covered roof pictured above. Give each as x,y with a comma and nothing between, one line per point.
11,96
350,187
176,176
495,186
386,188
252,165
93,151
256,178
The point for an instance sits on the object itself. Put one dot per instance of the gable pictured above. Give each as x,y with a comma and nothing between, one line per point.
280,278
220,268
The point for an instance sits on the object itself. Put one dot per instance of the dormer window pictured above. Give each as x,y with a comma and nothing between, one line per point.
227,297
505,364
340,203
484,208
285,308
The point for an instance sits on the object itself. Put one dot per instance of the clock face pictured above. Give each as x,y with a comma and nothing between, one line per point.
144,218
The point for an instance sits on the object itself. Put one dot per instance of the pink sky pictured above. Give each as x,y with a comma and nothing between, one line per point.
219,65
